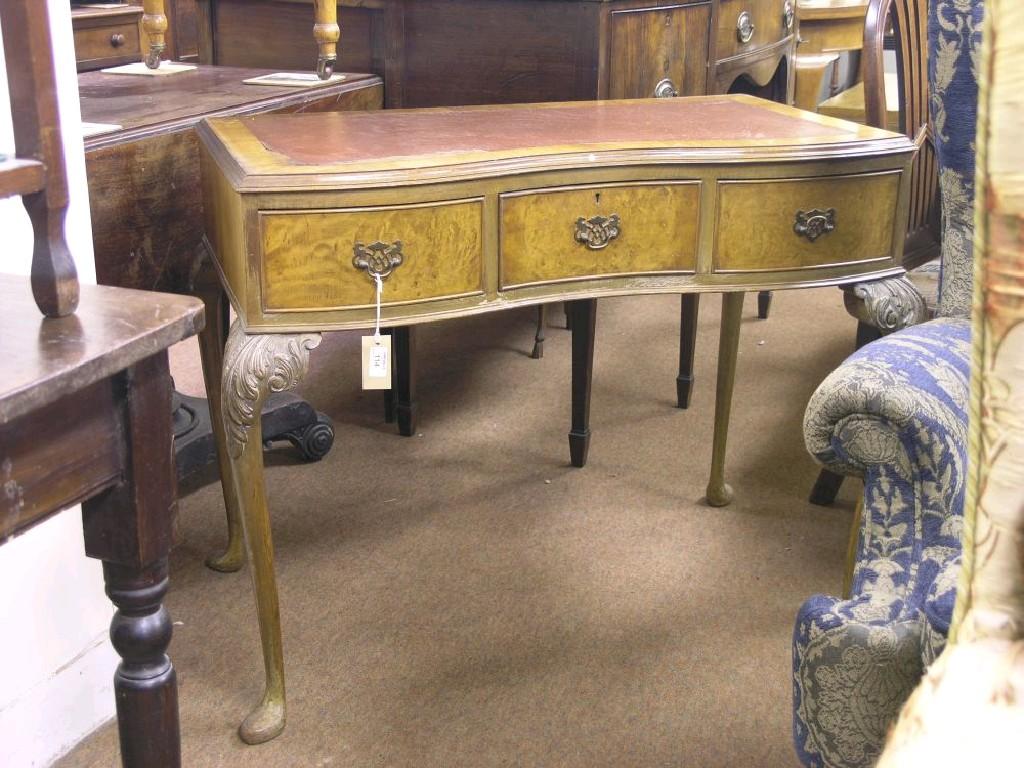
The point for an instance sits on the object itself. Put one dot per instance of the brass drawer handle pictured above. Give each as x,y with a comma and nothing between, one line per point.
788,14
815,223
598,231
378,259
116,40
745,27
665,89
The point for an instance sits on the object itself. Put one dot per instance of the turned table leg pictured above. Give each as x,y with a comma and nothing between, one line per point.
129,527
719,492
254,366
582,319
689,308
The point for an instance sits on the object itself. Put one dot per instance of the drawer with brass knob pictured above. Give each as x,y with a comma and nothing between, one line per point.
573,232
748,25
106,37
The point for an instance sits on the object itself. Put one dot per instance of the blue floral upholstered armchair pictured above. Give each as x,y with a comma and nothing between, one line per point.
895,414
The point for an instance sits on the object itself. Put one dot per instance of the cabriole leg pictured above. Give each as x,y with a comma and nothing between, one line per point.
255,366
211,351
719,492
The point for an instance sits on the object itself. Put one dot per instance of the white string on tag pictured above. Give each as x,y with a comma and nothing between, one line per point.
380,292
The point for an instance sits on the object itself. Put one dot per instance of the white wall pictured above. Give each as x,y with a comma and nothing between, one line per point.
56,662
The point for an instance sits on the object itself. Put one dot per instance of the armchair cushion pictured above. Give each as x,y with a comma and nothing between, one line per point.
895,413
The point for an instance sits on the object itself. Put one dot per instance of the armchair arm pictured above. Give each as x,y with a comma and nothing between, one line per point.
896,401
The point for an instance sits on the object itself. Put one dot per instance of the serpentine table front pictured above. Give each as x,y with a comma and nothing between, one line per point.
477,209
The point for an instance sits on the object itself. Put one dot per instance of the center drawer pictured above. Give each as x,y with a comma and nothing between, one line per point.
309,256
571,233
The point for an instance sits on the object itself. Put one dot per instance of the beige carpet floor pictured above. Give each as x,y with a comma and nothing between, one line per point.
465,598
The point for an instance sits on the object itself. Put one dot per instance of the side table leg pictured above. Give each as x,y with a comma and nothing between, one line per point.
129,527
211,351
538,338
406,408
145,684
254,366
582,318
689,310
719,492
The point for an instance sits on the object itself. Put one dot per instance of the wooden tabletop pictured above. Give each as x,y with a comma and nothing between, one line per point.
159,103
113,328
262,150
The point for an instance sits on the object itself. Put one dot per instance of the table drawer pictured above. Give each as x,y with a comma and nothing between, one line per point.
805,223
308,256
107,41
575,232
764,23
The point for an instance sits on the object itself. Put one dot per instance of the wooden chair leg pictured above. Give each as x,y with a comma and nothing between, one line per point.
719,492
583,317
252,364
406,406
827,486
764,304
538,339
689,308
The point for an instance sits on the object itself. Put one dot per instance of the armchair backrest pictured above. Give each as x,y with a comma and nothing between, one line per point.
954,51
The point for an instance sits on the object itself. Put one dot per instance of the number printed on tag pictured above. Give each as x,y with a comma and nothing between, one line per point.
376,362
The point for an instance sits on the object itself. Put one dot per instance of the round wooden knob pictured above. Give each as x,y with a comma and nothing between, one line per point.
117,40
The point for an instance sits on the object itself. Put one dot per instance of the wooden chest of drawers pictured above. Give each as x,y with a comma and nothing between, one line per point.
512,51
106,37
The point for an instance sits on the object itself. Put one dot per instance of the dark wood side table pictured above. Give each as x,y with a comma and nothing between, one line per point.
147,204
83,419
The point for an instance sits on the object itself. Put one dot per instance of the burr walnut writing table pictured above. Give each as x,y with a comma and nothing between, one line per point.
476,209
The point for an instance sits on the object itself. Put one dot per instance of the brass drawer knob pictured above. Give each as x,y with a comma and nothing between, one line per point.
815,223
378,259
788,14
116,40
665,89
745,27
598,231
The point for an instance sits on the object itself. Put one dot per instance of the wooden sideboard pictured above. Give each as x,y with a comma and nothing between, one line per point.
511,51
466,210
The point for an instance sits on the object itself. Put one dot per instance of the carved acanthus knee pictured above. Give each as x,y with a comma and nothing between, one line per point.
254,366
888,305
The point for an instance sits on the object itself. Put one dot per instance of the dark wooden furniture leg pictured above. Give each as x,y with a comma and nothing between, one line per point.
406,407
764,304
827,486
389,394
689,307
129,528
582,319
538,339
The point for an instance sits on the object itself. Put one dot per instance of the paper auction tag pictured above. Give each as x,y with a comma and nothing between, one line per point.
376,362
